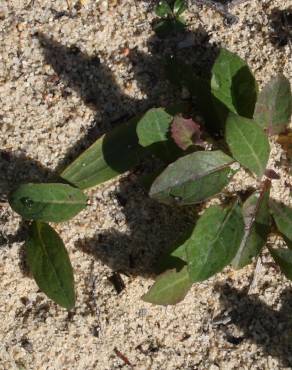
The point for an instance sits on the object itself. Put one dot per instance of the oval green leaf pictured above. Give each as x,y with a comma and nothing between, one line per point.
49,263
274,106
257,223
248,143
47,202
169,288
215,241
282,215
193,178
153,127
233,84
153,132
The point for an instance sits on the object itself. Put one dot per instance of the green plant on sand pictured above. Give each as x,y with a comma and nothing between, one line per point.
197,166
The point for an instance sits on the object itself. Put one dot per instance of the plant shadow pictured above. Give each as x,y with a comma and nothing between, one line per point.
151,232
155,226
96,84
260,324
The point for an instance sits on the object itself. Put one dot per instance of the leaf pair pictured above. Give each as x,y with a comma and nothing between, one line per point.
247,141
233,84
46,254
223,236
172,21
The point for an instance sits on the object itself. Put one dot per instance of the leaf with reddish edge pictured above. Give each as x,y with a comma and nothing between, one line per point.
274,106
193,178
185,132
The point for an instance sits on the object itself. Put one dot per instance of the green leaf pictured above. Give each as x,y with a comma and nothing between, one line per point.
169,288
153,127
274,106
193,178
153,132
282,215
49,263
163,9
248,143
215,241
233,84
179,7
111,155
257,223
283,257
51,202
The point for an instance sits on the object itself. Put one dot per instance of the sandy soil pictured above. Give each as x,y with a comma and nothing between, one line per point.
67,76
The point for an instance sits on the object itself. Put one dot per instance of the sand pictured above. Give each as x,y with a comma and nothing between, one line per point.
67,76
